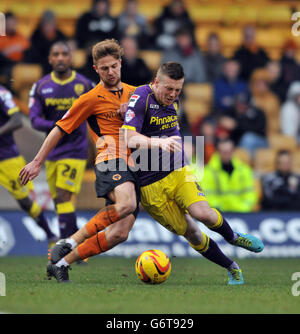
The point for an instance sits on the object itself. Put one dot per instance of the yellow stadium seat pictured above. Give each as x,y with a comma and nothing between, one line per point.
23,77
273,37
282,142
273,13
199,92
203,13
195,110
152,58
259,192
78,58
273,124
249,14
197,100
231,37
296,161
264,160
243,155
150,10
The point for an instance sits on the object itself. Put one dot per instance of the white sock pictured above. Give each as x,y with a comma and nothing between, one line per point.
62,262
72,242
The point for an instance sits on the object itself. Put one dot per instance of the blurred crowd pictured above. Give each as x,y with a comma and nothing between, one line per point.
249,89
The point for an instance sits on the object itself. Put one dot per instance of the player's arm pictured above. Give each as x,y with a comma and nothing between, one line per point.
11,110
14,123
133,124
72,119
137,140
32,169
36,115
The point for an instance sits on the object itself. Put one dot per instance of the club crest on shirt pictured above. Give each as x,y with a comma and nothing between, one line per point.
129,115
79,89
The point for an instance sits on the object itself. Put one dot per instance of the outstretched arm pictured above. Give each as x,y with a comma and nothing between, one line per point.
32,169
14,123
137,140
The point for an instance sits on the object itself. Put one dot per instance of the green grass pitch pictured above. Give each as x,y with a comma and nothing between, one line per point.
108,285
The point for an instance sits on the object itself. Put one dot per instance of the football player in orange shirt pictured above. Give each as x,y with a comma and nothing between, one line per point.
100,107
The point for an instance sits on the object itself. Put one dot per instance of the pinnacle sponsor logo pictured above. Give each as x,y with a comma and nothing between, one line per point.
163,120
167,122
60,103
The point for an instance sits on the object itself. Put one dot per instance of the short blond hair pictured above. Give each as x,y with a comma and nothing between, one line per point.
107,47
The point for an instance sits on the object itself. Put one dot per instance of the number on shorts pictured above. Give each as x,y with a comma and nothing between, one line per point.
72,174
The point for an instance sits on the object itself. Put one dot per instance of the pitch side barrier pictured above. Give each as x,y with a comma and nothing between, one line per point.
280,232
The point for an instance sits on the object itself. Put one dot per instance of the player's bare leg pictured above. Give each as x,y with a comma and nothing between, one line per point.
103,241
210,250
213,219
125,204
99,243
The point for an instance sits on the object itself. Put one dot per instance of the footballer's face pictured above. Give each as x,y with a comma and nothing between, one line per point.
60,58
109,70
166,90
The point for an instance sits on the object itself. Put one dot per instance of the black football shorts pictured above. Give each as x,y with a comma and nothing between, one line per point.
112,173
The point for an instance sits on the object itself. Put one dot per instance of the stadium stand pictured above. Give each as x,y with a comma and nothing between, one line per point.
152,58
243,155
23,77
296,161
226,18
282,142
79,58
264,160
198,100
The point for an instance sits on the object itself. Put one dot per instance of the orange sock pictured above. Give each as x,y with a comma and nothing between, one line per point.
95,245
102,219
